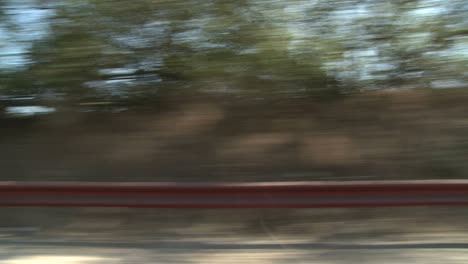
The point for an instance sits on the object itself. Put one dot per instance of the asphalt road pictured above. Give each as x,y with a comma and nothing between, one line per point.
25,251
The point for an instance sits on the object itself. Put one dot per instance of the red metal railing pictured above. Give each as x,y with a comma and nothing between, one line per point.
237,195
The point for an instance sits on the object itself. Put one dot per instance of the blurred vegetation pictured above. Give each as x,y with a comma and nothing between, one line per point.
243,89
116,51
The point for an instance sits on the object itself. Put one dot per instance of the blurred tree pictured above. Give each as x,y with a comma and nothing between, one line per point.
113,50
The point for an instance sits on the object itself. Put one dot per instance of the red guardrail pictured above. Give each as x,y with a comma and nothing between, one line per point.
236,195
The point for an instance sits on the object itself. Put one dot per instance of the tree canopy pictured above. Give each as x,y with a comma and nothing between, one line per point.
120,50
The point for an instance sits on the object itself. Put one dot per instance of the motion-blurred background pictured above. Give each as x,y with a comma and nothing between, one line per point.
248,90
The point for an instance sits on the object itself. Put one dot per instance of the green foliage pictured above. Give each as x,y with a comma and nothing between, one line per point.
117,49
